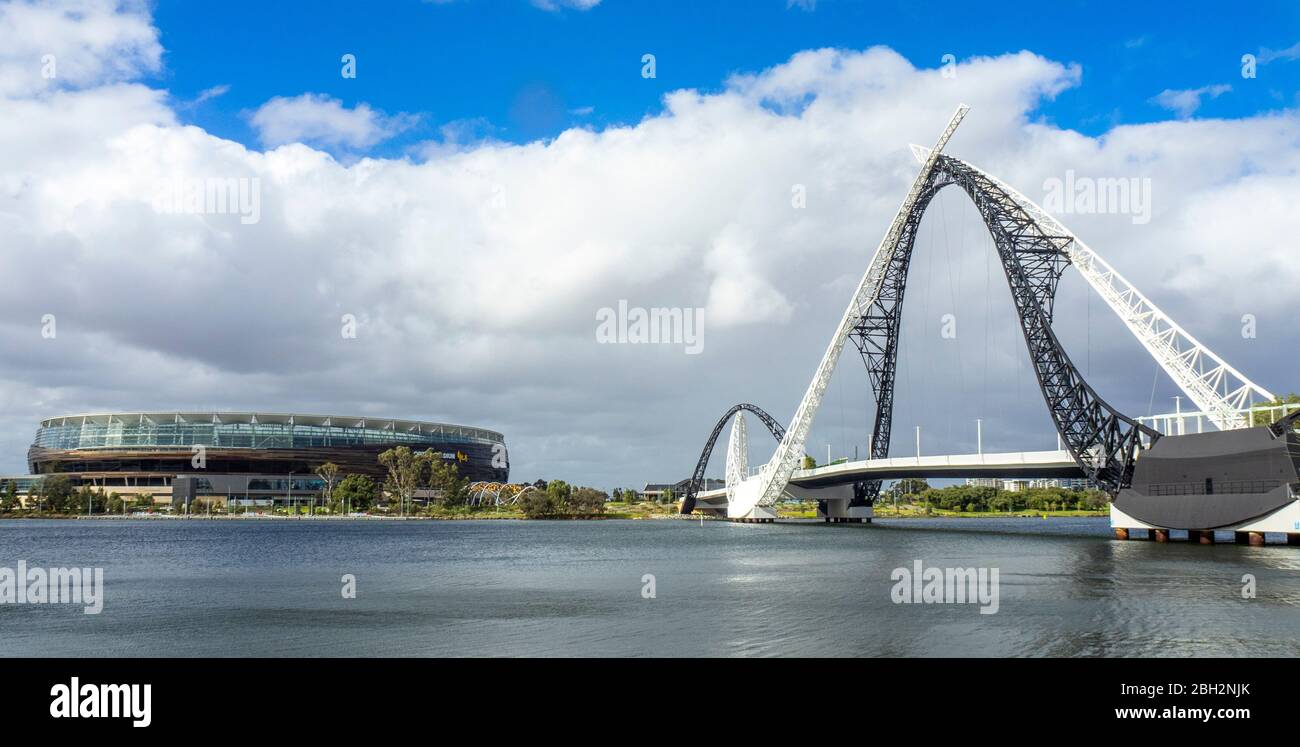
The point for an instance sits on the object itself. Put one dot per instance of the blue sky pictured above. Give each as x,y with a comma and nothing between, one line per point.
516,72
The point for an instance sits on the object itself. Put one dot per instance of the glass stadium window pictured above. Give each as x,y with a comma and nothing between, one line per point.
235,435
140,434
165,434
198,434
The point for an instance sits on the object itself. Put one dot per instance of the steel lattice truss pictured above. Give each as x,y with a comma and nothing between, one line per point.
1102,441
876,337
770,483
1038,255
1217,388
697,477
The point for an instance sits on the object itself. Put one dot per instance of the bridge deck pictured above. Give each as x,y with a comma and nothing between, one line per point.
1016,464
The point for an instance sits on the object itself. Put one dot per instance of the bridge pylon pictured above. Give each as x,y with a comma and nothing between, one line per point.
763,490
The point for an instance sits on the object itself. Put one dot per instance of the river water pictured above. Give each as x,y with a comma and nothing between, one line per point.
580,588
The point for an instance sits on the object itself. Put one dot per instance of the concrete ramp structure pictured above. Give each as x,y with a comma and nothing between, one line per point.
1244,480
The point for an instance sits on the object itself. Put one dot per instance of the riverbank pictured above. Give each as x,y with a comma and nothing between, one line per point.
917,512
614,510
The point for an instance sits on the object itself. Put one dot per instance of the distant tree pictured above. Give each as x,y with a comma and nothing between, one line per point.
56,494
668,496
1094,500
631,495
356,492
541,504
88,499
329,473
561,490
9,499
809,462
911,486
971,498
406,471
445,477
1040,499
588,501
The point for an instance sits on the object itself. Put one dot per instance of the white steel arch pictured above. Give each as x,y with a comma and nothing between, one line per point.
737,452
767,486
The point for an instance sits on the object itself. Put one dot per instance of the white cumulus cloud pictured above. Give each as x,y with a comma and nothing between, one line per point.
49,45
1185,102
322,120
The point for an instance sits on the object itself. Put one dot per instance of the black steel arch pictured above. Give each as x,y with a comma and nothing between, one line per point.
697,478
1102,441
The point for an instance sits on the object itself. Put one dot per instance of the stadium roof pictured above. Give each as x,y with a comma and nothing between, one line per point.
268,418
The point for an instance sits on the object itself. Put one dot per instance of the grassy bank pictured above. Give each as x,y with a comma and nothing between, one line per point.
920,512
613,510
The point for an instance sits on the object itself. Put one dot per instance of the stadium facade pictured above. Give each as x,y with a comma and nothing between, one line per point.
245,456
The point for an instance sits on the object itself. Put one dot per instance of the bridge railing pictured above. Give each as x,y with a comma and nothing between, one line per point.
1183,423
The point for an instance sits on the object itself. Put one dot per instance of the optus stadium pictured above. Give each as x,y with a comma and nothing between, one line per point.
245,456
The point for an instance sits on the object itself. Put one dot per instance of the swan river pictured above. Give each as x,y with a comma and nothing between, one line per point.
1064,587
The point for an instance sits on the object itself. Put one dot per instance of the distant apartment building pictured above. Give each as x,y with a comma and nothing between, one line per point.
655,491
1016,486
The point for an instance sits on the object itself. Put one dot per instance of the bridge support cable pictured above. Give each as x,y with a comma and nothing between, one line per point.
876,334
1102,441
1217,388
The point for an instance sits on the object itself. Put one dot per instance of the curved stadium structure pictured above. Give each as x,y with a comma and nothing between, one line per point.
245,453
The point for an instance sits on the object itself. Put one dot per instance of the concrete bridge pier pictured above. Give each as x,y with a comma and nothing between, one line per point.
756,515
1285,520
1254,539
838,511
